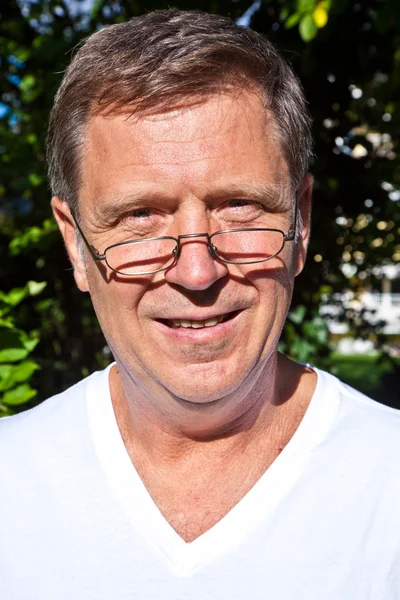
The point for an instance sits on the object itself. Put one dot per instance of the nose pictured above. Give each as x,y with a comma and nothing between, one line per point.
195,268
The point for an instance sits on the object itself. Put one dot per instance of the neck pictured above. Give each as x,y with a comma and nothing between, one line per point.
168,430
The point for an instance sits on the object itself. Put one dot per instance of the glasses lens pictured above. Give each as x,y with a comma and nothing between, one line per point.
141,257
247,245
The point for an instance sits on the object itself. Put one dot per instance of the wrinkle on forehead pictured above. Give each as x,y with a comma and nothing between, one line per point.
220,118
192,146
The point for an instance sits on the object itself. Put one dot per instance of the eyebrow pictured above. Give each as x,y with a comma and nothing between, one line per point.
114,206
274,195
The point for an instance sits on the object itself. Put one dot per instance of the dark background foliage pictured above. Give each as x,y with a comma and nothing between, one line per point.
347,55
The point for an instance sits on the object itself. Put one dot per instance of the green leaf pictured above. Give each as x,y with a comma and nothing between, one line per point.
5,373
297,315
12,348
32,236
19,395
307,28
21,54
8,323
11,375
31,138
35,179
96,8
292,20
302,349
305,5
29,343
27,82
14,297
284,14
316,330
35,287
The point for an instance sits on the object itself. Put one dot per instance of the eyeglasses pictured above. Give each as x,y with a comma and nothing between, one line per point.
232,246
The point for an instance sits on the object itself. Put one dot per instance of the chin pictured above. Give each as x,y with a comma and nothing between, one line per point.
199,387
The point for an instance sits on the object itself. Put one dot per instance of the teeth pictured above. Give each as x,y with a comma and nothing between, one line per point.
196,324
211,322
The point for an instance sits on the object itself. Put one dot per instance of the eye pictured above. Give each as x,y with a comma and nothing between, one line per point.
143,221
240,211
242,206
140,213
239,203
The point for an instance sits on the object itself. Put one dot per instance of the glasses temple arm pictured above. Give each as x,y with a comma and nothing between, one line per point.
93,251
292,231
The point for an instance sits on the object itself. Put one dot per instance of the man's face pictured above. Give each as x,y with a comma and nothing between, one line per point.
209,166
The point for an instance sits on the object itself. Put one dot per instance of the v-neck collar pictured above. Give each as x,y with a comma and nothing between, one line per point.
248,514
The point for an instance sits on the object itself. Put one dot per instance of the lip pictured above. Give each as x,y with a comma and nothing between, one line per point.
198,317
199,335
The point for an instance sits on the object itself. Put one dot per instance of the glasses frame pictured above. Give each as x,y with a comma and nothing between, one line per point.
98,256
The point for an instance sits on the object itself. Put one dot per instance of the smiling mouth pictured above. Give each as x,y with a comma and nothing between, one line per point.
198,324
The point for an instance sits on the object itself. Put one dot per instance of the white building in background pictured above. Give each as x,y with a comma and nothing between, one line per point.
376,306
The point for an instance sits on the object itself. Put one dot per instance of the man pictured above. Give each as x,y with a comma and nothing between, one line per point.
201,464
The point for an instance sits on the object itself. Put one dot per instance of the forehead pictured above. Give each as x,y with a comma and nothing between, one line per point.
196,149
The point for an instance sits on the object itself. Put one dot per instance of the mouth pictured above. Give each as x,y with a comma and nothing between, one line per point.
198,323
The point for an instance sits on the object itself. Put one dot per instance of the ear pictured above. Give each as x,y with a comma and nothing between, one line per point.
65,222
303,198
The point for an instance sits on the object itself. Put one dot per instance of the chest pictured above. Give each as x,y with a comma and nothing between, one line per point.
306,546
194,503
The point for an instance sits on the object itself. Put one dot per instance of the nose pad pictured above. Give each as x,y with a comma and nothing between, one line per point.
212,249
195,267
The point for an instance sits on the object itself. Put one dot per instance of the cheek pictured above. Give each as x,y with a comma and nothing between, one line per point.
113,299
275,288
277,273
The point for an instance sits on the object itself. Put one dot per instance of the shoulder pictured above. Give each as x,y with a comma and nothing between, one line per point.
59,422
360,419
355,399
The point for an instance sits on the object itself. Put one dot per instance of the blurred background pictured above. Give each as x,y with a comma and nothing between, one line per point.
345,315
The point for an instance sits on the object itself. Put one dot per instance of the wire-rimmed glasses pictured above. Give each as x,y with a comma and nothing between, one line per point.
147,256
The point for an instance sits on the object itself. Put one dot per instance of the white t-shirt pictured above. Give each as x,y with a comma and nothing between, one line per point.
322,523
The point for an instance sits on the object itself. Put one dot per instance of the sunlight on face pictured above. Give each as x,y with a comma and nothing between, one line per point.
203,168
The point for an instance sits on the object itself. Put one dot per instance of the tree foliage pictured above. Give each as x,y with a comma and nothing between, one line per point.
347,55
16,346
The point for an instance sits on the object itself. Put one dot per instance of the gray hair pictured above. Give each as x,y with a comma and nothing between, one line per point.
160,60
